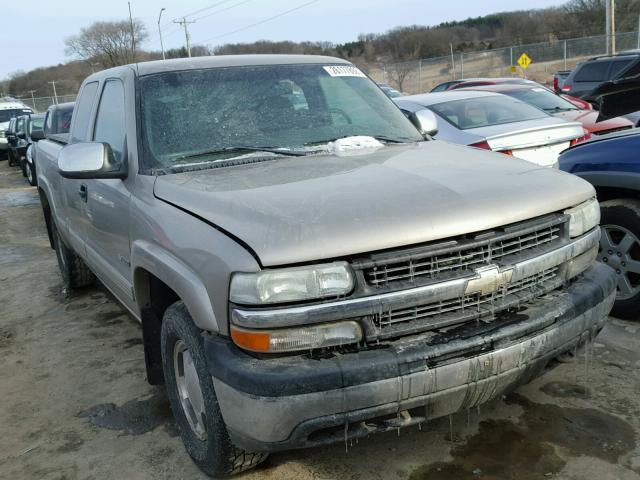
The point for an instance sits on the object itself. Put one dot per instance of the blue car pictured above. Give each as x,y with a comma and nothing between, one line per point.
611,163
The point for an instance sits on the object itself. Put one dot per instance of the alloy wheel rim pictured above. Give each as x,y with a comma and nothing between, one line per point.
620,249
189,391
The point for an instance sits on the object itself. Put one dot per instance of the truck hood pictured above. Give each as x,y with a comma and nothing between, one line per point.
301,209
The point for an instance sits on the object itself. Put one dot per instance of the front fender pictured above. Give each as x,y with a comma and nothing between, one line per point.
612,179
153,258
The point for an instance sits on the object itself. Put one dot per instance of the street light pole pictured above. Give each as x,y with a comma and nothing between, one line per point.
160,32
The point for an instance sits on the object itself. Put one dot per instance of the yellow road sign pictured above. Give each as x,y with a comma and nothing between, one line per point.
524,61
514,69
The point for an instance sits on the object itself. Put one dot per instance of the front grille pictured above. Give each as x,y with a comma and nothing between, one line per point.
464,256
468,307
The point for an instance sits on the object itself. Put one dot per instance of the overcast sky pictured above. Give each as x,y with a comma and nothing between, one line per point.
35,29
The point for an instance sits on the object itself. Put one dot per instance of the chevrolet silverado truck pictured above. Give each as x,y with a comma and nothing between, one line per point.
313,271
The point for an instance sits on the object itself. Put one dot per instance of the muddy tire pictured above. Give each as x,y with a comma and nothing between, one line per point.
193,399
620,249
75,274
11,158
31,174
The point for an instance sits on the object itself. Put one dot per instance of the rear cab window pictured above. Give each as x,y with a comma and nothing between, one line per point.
110,126
82,114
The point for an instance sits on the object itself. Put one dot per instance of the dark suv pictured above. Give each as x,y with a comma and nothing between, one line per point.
588,75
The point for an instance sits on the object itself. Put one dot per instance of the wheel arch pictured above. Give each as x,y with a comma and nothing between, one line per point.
612,185
159,280
46,210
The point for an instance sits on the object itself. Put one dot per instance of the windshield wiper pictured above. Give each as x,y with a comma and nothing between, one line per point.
245,148
559,109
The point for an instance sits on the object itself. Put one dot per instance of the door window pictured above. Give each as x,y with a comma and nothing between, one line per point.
110,124
617,66
593,72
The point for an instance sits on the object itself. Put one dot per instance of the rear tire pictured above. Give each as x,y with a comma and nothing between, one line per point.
11,158
193,399
620,249
75,274
23,166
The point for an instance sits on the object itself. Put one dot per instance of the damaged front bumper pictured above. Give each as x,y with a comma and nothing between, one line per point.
294,402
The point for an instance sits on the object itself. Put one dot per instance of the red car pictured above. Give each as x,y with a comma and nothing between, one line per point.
478,82
555,105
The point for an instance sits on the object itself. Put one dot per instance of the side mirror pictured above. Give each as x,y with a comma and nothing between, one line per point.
37,134
21,135
425,121
90,160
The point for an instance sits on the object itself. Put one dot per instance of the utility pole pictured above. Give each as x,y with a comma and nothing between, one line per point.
613,26
160,32
453,64
33,98
55,94
184,23
133,36
610,26
607,25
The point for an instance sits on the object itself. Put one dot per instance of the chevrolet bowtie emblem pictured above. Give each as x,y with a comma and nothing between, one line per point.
488,279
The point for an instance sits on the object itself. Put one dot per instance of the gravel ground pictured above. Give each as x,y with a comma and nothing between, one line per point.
74,402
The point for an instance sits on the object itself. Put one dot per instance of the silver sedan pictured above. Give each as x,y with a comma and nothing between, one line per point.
496,122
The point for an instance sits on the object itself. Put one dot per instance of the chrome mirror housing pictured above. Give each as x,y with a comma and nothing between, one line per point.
90,160
425,121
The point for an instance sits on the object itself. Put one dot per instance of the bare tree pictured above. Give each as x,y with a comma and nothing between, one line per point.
107,43
399,71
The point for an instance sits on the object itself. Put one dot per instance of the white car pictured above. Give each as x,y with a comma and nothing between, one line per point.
9,108
496,122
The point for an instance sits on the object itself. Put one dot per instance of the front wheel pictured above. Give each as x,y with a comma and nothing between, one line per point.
620,249
193,399
31,174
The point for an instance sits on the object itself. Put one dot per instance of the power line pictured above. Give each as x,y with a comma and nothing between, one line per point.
213,5
223,10
281,14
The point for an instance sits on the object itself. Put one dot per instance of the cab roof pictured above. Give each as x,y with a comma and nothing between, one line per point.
196,63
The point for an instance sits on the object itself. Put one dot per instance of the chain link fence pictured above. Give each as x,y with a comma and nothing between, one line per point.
547,58
40,104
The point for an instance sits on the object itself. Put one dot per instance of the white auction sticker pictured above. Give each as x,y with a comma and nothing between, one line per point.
344,71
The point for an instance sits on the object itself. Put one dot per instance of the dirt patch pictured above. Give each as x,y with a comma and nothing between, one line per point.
132,342
135,417
106,319
564,390
6,337
505,450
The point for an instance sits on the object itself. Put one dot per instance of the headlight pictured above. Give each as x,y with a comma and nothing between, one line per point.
294,339
583,218
291,284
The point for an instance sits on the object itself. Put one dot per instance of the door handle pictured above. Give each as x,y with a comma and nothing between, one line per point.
83,192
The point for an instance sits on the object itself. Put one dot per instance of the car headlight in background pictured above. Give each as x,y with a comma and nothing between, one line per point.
583,218
291,284
296,339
